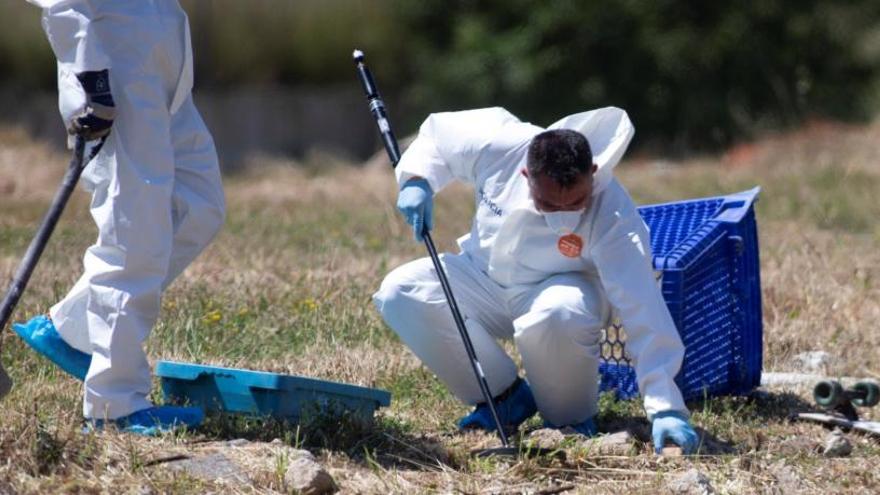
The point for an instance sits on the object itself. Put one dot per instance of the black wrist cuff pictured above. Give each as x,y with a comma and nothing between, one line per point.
95,82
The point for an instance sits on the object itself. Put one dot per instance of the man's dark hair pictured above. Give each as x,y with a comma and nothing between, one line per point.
562,154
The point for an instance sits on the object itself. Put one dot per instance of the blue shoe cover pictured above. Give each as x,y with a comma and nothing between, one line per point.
41,335
586,428
154,421
514,406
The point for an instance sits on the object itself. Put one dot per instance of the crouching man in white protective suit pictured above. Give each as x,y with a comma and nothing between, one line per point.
556,243
157,196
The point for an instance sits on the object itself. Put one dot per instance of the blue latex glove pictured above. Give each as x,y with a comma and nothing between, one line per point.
674,426
416,203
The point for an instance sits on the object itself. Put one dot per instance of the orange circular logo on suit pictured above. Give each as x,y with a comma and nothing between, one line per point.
570,245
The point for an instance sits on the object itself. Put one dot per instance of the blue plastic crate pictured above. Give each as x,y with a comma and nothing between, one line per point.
707,253
217,389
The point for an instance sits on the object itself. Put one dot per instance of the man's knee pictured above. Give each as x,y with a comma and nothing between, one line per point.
561,322
396,294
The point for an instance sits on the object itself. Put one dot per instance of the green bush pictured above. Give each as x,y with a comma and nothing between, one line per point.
237,42
301,42
693,74
25,55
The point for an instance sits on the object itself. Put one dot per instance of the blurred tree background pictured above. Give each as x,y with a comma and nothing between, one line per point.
693,75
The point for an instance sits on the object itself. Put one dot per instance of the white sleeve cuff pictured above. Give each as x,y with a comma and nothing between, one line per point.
421,159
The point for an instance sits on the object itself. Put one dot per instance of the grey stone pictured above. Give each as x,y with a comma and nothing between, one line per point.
837,445
799,444
238,442
211,467
546,438
691,482
299,454
618,443
307,477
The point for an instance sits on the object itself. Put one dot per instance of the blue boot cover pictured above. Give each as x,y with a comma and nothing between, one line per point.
40,334
586,428
155,420
514,406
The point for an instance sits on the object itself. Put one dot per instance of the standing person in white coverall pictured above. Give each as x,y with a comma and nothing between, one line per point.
556,243
157,197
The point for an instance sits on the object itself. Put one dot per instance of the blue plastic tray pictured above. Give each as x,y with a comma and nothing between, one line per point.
707,252
259,393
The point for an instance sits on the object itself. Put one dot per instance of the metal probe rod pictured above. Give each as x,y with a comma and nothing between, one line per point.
377,108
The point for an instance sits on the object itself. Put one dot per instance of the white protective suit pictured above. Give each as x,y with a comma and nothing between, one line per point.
512,280
157,194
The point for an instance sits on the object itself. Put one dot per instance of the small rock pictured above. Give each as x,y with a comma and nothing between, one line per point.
674,451
837,445
798,445
300,454
212,467
276,441
238,442
546,438
811,362
307,477
618,443
691,482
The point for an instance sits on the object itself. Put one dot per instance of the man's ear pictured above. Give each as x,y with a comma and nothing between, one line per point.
525,173
594,169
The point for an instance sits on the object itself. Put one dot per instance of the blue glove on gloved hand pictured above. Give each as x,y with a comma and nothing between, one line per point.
416,203
674,426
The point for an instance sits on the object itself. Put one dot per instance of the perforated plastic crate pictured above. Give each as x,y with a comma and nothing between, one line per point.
258,393
706,251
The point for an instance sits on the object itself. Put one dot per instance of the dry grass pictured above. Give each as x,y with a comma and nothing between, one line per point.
287,287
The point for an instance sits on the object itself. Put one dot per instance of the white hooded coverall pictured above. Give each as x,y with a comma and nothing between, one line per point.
511,279
157,197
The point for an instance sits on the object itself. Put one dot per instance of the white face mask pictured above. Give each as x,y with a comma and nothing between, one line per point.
563,222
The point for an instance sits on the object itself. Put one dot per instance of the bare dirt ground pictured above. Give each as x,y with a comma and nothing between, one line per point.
286,287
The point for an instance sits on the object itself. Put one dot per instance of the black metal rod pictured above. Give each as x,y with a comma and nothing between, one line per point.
377,108
38,244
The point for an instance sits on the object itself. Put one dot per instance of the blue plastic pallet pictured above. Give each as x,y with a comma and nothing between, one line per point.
707,252
258,393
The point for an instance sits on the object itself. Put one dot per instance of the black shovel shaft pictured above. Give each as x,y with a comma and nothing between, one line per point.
377,108
38,244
